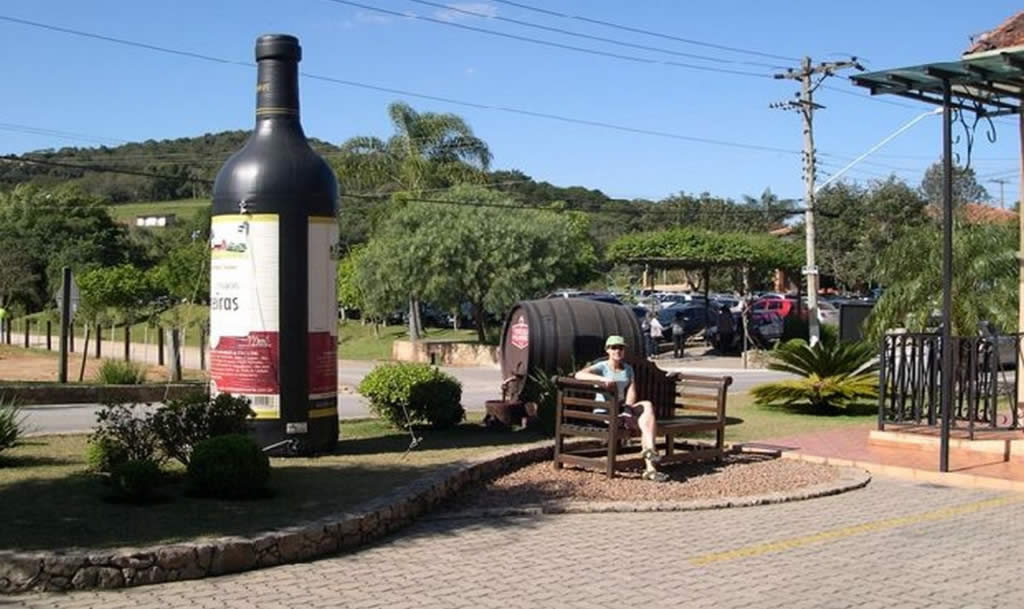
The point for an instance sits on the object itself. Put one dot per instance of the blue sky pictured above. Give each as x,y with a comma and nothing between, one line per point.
66,83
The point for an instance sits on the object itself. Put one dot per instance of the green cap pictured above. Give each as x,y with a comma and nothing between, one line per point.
613,340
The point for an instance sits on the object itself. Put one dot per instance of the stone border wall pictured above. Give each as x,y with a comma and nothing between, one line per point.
445,353
122,567
54,393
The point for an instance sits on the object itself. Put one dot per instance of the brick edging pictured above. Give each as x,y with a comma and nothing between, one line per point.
850,478
124,567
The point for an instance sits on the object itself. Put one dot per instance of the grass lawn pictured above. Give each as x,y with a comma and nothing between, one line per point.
183,209
49,501
750,422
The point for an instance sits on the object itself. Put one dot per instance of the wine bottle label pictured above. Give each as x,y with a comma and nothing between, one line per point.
323,317
244,310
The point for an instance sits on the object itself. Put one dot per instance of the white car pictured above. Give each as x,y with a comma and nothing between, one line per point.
828,313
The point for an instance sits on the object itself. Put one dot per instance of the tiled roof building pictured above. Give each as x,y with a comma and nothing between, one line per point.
1009,33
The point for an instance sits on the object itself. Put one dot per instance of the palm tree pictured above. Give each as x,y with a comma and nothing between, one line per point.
832,373
428,150
984,279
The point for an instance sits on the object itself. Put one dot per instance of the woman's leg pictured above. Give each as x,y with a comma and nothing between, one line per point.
647,423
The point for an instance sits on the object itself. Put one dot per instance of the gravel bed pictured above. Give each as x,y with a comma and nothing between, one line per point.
737,476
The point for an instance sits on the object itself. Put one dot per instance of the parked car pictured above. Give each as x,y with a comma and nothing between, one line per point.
828,313
774,305
667,297
598,296
694,316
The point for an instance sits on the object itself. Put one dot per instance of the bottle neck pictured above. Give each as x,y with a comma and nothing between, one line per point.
277,91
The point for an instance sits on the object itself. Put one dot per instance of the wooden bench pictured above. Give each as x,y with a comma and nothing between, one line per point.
684,404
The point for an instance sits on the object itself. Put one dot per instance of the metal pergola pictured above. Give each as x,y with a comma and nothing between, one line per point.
979,87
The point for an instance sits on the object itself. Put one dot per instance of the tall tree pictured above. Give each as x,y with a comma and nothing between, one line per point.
984,279
60,227
470,251
428,150
966,188
857,222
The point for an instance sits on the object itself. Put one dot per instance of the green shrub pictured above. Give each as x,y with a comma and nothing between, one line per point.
102,455
830,375
182,424
403,394
12,423
228,467
135,480
122,435
541,391
117,372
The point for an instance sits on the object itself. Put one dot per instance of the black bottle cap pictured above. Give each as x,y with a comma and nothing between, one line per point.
278,46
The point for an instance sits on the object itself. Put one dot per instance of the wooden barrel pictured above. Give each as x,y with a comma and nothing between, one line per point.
560,335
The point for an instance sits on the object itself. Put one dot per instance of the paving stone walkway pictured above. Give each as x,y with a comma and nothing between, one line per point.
891,544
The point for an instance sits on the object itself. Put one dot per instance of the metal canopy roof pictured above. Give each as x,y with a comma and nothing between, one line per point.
988,84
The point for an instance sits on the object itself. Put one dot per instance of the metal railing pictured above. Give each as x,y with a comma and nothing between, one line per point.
985,380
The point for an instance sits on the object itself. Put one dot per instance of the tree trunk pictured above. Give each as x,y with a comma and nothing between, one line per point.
481,322
415,332
85,354
175,354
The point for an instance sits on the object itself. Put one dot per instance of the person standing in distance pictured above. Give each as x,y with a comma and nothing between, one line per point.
657,331
617,375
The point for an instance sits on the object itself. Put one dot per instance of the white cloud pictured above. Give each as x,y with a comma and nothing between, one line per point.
372,18
470,71
485,9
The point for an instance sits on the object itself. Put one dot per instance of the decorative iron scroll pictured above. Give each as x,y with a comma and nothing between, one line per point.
977,107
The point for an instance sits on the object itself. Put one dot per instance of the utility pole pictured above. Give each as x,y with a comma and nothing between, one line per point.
810,77
1002,182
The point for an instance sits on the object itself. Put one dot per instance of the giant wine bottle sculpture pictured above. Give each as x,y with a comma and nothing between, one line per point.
273,303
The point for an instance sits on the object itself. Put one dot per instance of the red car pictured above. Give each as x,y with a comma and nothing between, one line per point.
774,304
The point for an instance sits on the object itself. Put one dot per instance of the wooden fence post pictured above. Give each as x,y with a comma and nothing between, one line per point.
99,340
159,346
202,348
49,335
28,327
127,343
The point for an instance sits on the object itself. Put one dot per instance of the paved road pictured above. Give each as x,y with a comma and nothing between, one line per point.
892,544
479,384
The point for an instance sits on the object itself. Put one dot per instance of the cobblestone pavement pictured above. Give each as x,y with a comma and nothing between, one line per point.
892,544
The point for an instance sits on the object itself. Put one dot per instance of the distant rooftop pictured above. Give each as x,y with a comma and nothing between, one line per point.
978,213
1009,33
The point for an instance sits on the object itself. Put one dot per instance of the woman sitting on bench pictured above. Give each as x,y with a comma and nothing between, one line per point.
616,374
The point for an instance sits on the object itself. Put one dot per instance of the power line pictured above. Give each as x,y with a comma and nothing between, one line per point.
559,45
646,32
142,45
13,127
449,100
380,197
467,11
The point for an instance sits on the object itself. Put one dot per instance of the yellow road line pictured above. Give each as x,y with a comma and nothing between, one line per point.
858,529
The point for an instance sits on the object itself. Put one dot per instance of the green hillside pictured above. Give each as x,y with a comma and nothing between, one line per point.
183,209
184,167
